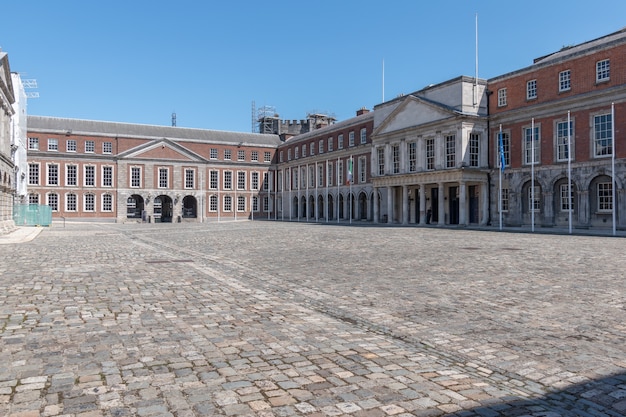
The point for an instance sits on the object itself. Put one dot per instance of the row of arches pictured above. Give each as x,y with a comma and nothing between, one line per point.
162,208
330,207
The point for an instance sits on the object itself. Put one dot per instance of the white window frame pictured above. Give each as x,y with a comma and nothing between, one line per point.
133,179
49,173
107,176
90,146
565,80
450,141
53,144
89,206
603,70
190,181
71,202
502,99
33,144
602,135
214,179
604,195
106,206
71,175
107,147
531,89
163,178
561,140
528,150
32,175
363,136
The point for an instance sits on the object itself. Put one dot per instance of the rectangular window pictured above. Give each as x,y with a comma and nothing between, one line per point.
90,176
90,146
567,200
255,203
135,177
502,97
303,178
213,203
107,202
351,138
190,179
474,150
266,204
380,152
228,203
430,153
296,152
395,155
531,90
70,202
241,203
450,151
312,149
412,156
602,135
329,174
70,145
213,180
33,144
53,144
563,135
279,180
33,198
320,175
33,174
363,136
213,153
241,180
53,201
280,156
605,196
227,154
506,149
107,147
71,175
330,144
294,182
565,80
90,202
320,146
340,142
228,180
163,177
603,70
241,155
535,203
362,169
267,157
312,176
254,182
505,199
531,145
53,174
339,172
254,156
304,151
107,176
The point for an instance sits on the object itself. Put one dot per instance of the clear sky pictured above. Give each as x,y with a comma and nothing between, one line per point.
138,61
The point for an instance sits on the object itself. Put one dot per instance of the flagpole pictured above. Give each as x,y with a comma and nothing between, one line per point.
569,171
351,175
532,173
501,148
338,181
613,161
326,212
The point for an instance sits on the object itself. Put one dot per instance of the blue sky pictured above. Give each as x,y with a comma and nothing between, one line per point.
138,61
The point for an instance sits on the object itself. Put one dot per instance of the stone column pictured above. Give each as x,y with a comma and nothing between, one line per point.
548,208
422,192
389,205
484,203
584,217
375,203
462,204
441,203
405,204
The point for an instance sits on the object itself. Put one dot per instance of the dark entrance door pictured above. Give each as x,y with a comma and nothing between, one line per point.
434,205
454,205
473,204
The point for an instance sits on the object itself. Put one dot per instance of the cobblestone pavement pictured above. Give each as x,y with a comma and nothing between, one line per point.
294,319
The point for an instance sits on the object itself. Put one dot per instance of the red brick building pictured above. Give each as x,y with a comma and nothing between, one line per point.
585,84
128,172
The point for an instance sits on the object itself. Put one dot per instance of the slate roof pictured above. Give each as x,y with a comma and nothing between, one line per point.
131,130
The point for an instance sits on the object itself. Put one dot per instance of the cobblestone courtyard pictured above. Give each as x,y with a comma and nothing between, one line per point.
294,319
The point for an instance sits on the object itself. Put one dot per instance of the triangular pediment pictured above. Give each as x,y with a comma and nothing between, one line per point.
412,112
162,149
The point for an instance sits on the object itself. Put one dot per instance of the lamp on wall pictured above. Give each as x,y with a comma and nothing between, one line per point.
148,198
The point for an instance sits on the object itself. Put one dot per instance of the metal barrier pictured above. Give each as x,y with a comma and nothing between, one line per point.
32,215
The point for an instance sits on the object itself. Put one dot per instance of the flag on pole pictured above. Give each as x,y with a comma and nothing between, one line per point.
349,174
